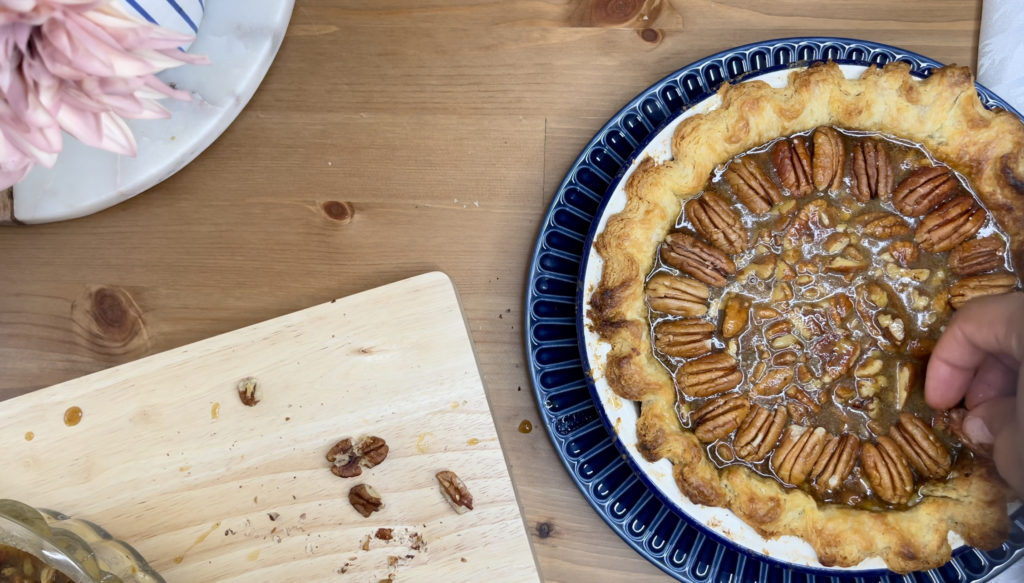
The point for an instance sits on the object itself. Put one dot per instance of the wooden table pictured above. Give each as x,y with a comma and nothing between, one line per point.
389,139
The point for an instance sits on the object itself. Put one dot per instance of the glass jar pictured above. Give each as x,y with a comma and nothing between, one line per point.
79,549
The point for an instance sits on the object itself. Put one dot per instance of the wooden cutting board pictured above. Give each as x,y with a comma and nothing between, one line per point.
167,457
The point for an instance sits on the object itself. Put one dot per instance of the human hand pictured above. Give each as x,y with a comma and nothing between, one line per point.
979,359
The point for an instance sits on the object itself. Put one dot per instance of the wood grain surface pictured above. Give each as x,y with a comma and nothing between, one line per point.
389,139
165,454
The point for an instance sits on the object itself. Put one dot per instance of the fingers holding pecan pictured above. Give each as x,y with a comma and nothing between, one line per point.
872,171
924,189
686,338
976,286
719,417
709,375
677,296
887,470
717,222
829,160
695,257
952,223
975,256
792,163
752,186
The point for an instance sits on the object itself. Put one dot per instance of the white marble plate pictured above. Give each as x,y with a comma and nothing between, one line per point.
241,45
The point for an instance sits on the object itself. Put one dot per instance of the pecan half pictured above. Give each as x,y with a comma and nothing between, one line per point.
686,338
737,312
797,453
709,375
887,470
829,159
759,432
923,190
752,186
882,225
837,356
677,296
348,459
717,222
975,286
904,252
695,257
455,491
719,417
950,224
836,461
975,256
365,499
924,450
872,171
792,163
774,382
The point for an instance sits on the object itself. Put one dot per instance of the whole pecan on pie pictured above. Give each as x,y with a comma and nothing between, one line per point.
976,286
719,417
872,171
950,224
695,257
717,222
797,453
837,460
760,431
979,255
752,186
923,190
677,296
684,338
924,450
887,470
829,159
709,375
792,162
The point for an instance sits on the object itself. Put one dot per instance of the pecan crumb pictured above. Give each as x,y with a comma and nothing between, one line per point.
273,516
455,491
383,534
249,392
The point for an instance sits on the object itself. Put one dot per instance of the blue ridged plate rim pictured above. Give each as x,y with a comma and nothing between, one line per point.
582,435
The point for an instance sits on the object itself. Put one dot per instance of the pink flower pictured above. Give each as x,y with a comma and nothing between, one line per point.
80,66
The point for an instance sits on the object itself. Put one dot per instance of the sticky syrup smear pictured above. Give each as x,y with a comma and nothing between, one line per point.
29,436
525,426
198,541
215,411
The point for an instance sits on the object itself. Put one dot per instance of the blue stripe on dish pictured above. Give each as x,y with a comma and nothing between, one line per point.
183,15
141,11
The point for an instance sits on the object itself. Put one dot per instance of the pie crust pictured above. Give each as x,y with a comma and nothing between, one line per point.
944,115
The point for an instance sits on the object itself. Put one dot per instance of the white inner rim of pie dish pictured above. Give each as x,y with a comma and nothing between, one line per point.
623,413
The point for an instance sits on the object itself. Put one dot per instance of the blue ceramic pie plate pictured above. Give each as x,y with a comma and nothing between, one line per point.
583,436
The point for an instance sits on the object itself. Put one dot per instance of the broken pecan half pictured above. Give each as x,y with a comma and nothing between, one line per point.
792,163
904,252
882,225
835,462
348,459
737,312
923,190
887,470
975,256
709,375
829,160
975,286
686,338
717,222
365,499
759,432
677,296
695,257
719,417
872,171
837,356
774,382
797,453
455,491
924,450
752,186
952,223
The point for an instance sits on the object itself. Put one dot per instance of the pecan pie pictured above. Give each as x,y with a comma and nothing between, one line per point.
772,293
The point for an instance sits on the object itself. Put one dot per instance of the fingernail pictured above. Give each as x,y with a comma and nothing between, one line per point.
976,431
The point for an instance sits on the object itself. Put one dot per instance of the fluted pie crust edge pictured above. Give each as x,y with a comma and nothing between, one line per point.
945,115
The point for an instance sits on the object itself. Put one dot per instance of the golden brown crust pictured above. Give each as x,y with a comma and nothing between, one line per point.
944,114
